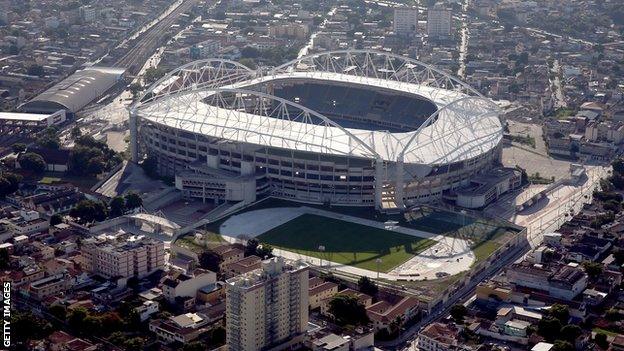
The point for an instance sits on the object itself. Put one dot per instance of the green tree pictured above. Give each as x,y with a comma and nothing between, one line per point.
265,251
36,70
601,340
367,286
210,260
76,132
548,328
136,343
9,183
561,345
249,62
117,207
18,147
458,312
33,162
150,167
133,200
560,312
88,211
58,311
251,246
347,310
4,258
593,269
56,219
194,346
570,332
48,138
26,326
76,318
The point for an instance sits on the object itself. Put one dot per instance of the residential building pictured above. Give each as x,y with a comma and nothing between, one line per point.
183,328
559,281
123,255
439,21
405,20
187,285
267,308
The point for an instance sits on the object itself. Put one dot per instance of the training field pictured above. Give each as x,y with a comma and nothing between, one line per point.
345,242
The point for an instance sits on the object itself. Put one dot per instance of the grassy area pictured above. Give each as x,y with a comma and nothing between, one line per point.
524,139
604,331
345,242
211,240
563,113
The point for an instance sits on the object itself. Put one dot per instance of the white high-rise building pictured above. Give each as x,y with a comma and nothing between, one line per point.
405,20
267,308
439,21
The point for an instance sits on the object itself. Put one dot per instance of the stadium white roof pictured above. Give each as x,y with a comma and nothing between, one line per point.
466,125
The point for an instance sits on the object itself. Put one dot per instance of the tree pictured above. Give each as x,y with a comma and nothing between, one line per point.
88,211
9,183
347,310
210,260
58,311
548,328
570,332
76,132
561,345
4,258
33,162
601,340
153,74
26,326
111,322
458,312
48,138
251,247
593,269
135,89
136,343
367,286
150,167
76,318
18,147
249,62
194,346
36,70
560,312
56,219
133,200
265,251
117,206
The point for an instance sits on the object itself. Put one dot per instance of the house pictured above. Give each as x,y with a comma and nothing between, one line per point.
183,328
184,285
320,292
440,337
364,299
241,266
147,309
61,341
383,313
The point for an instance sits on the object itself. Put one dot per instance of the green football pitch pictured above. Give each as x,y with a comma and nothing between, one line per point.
345,242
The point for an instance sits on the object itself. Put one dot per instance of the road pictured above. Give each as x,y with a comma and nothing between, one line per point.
463,46
151,39
550,219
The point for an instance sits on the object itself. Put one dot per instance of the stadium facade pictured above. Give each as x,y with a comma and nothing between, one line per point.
352,127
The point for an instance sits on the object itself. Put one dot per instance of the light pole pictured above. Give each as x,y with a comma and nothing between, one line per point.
378,263
321,249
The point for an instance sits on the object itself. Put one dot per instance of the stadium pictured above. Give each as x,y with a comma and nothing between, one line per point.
353,127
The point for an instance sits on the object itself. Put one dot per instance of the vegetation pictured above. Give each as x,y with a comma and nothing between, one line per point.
345,242
9,183
32,162
524,139
91,157
458,312
367,286
87,211
347,310
48,138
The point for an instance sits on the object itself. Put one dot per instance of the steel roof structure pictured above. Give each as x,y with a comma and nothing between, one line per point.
213,98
